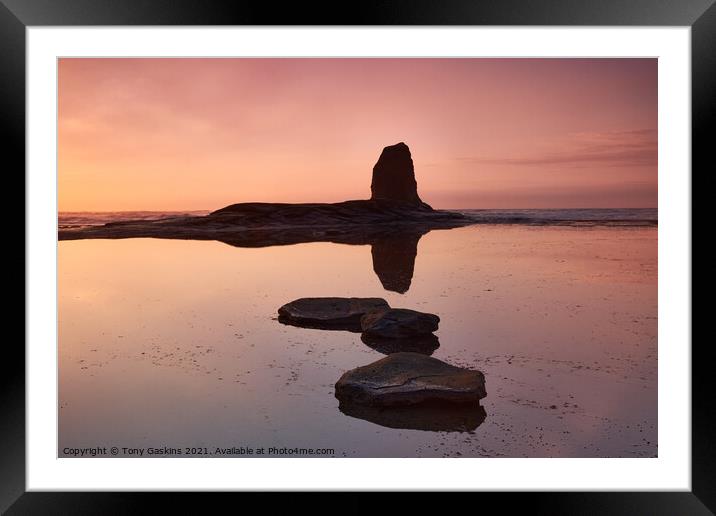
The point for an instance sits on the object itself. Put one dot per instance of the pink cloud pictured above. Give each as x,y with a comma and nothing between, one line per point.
636,148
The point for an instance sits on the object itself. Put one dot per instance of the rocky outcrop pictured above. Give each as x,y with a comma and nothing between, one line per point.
265,224
329,313
409,379
384,329
398,323
394,176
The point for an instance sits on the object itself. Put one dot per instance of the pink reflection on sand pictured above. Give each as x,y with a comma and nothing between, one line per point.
175,342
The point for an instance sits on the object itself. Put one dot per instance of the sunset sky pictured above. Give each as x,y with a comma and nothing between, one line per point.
198,134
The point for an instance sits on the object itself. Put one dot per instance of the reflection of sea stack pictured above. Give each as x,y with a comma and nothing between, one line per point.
394,176
394,260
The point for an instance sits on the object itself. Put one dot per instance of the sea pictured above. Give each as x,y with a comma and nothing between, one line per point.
565,217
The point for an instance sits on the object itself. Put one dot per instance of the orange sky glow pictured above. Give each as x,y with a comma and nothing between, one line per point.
198,134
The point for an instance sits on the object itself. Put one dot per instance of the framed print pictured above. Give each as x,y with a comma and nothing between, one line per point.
421,248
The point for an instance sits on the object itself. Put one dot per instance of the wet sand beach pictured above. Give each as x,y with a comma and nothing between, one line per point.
174,343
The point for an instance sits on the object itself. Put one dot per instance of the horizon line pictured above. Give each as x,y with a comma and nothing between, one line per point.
263,202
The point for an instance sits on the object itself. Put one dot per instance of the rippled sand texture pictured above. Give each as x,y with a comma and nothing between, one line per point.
175,343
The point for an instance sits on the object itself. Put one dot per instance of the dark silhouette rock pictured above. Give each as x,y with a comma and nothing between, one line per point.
409,379
425,344
394,176
394,260
329,313
264,224
433,417
398,323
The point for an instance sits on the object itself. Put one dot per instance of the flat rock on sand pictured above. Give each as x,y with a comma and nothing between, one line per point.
330,313
398,323
410,378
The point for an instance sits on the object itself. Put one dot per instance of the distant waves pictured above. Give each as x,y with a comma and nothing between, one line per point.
561,217
90,218
567,217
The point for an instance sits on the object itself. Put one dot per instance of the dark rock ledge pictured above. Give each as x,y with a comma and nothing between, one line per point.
329,313
384,329
408,379
398,323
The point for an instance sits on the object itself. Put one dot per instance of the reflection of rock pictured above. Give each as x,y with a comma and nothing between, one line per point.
394,177
425,344
410,378
394,260
331,313
398,323
394,245
436,417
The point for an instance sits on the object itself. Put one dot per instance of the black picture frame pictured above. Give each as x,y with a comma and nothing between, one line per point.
17,15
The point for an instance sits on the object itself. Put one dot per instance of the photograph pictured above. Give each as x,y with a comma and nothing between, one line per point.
357,257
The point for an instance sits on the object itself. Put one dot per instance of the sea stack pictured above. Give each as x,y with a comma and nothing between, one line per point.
394,176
